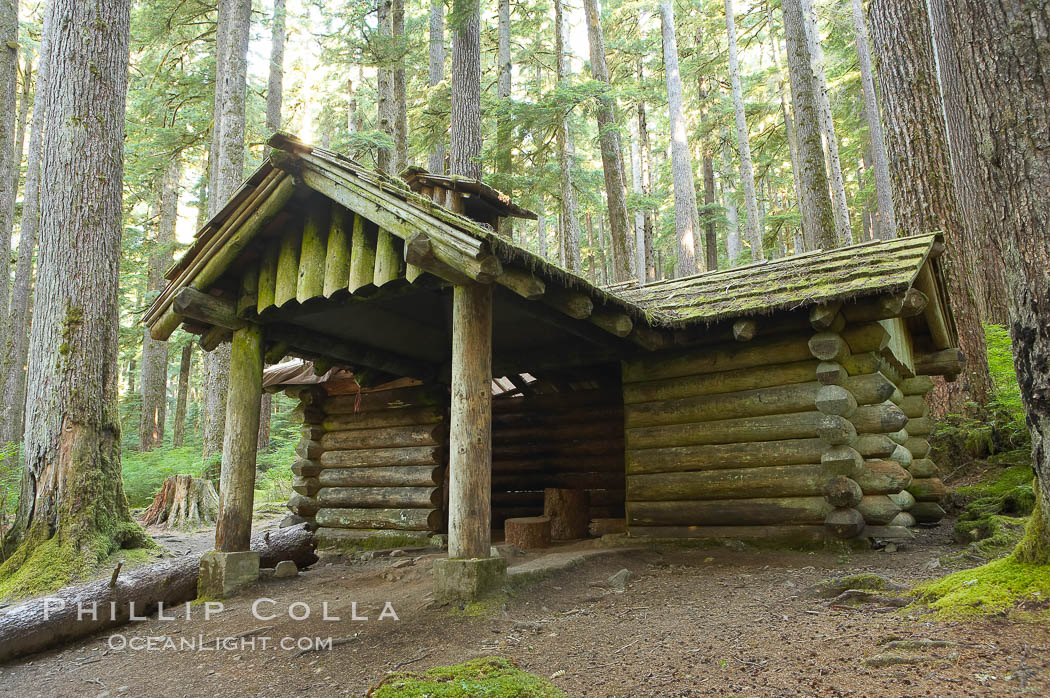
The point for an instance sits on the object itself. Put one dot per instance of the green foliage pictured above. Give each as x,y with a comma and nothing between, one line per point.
10,477
997,587
492,677
145,472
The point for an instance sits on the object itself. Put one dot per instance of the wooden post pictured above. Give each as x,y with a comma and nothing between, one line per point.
470,438
237,481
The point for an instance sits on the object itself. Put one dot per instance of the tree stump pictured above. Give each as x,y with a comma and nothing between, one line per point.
184,501
569,512
529,532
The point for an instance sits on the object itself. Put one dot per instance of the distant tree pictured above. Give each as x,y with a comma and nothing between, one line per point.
465,150
569,237
436,73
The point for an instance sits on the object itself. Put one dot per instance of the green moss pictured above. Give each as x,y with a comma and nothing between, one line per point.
992,535
492,677
864,581
1035,545
997,587
488,607
46,566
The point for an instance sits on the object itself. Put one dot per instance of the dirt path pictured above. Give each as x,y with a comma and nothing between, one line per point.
692,622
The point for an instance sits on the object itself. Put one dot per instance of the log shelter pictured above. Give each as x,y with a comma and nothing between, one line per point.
455,376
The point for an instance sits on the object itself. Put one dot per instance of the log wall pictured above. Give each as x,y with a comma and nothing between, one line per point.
568,440
378,462
811,434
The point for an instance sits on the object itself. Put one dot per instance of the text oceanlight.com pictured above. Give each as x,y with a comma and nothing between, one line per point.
200,643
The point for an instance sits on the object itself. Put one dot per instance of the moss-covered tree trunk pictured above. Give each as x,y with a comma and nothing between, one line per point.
73,512
920,172
1005,69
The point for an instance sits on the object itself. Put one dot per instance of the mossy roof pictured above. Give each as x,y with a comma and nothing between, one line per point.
788,283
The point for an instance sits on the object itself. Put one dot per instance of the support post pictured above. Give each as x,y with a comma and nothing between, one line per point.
469,571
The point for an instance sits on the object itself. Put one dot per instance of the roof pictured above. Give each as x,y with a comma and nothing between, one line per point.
418,178
787,283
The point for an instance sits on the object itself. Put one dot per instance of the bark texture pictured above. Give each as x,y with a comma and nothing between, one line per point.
184,501
178,433
885,215
1005,70
503,127
275,89
569,238
612,150
920,172
686,216
747,169
385,85
465,150
436,73
400,104
8,184
154,381
72,500
645,162
818,221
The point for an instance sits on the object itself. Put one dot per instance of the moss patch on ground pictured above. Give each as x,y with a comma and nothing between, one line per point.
999,587
992,516
492,677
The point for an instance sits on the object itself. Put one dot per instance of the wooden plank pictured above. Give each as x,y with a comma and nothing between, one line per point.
388,259
267,278
337,251
362,256
310,282
287,267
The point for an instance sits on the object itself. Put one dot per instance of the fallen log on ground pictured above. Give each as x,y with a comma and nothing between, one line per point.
40,624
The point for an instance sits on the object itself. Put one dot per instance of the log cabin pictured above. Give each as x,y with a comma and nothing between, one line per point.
465,376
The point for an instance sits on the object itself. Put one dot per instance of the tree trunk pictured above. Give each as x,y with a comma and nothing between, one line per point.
1005,73
71,483
920,172
275,91
465,147
178,435
503,124
708,165
885,217
839,207
13,377
612,151
687,218
984,266
569,237
8,161
733,244
265,414
789,126
639,215
747,170
818,221
400,100
385,86
436,159
643,145
183,502
155,354
232,61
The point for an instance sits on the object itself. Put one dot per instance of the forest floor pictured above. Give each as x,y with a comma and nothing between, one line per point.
691,622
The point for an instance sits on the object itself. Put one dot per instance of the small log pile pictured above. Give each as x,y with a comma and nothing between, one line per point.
371,460
568,440
183,502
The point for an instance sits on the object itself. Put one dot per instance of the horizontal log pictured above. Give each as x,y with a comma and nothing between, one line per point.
919,385
383,476
845,523
721,382
834,399
928,489
744,330
882,477
559,432
922,426
870,336
875,445
308,449
801,425
927,512
749,403
914,406
841,460
831,373
924,467
787,535
881,307
878,509
524,283
539,463
736,483
312,432
418,396
828,346
903,519
349,539
836,430
307,468
379,497
302,506
419,455
899,437
611,446
903,499
842,492
879,419
947,362
919,447
915,302
385,437
585,481
398,519
902,456
717,456
824,315
554,401
204,307
870,388
306,486
760,352
734,512
386,418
